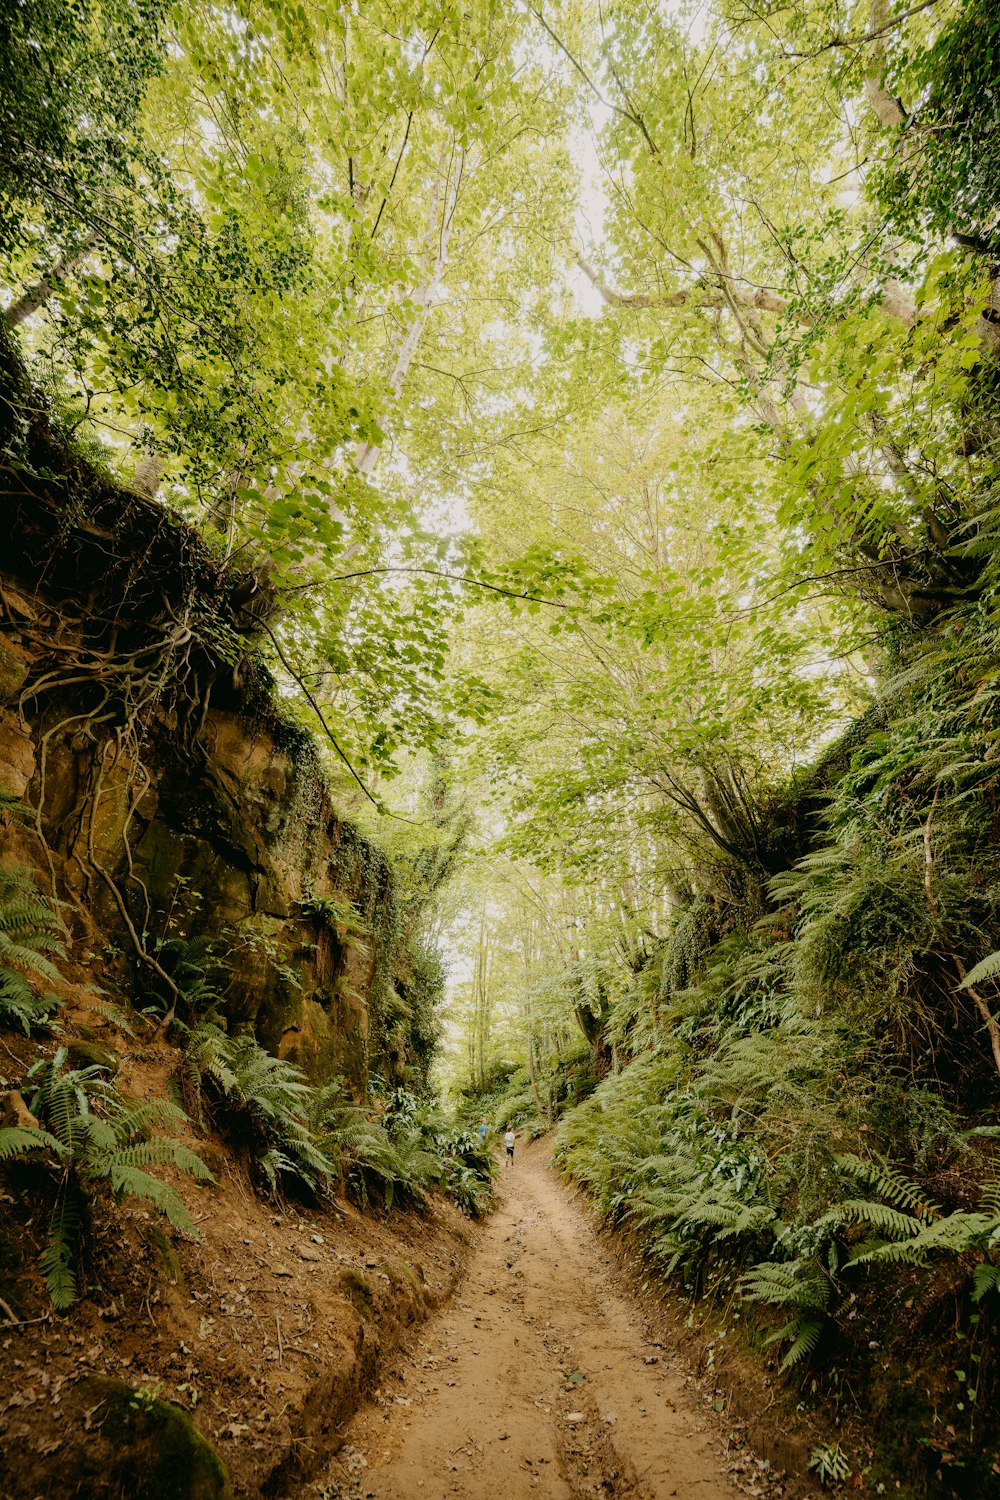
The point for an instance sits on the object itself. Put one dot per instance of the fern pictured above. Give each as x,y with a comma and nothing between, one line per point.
117,1016
985,1278
805,1332
95,1135
794,1283
58,1260
881,1216
366,1156
955,1234
889,1183
986,968
15,1140
801,1284
264,1101
28,935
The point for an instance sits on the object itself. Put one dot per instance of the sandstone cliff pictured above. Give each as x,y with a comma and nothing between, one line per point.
172,800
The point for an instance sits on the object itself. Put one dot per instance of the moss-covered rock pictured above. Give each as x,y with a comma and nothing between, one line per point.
138,1447
91,1054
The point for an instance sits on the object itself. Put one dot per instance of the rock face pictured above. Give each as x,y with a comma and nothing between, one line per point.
171,802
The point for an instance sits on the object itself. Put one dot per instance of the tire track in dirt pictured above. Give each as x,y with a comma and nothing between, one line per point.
537,1379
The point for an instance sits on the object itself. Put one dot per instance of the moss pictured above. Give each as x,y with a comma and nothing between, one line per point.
360,1293
363,871
401,1273
13,671
158,1453
165,1254
214,1158
91,1055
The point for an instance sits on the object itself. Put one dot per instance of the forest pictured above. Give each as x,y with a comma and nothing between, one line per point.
500,626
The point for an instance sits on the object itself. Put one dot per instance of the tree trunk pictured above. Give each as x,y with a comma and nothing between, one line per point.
148,473
451,168
35,296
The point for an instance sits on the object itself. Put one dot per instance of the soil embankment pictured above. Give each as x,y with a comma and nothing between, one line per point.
544,1376
264,1337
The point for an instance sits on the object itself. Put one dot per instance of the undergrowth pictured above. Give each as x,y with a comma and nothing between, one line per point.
314,1139
30,937
89,1136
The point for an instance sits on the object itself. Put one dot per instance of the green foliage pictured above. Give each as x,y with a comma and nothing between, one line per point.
802,1286
28,935
830,1463
262,1101
986,968
914,1238
516,1107
309,1138
397,1157
363,1153
942,170
91,1135
72,76
752,501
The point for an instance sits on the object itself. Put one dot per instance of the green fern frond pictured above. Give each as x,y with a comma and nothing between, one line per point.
807,1333
163,1152
955,1234
29,958
16,1139
890,1184
94,1137
21,1006
272,1162
266,1098
114,1145
117,1016
986,968
128,1181
985,1278
57,1260
28,933
792,1283
138,1120
881,1216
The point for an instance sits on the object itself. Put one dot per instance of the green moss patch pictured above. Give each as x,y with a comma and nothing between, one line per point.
141,1447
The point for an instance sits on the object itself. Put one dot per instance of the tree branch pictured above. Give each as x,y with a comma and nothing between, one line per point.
866,37
319,714
624,114
478,583
760,298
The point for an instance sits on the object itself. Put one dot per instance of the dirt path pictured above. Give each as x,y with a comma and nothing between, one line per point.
538,1379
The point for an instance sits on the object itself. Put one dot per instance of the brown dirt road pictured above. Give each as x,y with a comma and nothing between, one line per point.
539,1379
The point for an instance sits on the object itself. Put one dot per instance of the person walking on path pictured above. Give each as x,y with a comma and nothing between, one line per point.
508,1141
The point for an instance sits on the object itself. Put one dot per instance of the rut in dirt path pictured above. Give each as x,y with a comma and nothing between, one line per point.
538,1379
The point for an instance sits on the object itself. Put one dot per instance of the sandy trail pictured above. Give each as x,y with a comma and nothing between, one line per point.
537,1379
